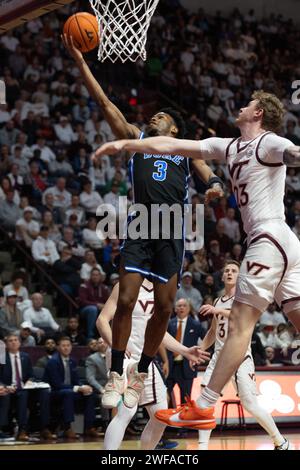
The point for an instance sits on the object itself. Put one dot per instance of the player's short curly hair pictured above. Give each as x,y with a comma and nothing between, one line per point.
178,119
273,110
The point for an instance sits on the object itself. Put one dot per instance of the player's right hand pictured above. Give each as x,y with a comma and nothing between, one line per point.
71,48
207,310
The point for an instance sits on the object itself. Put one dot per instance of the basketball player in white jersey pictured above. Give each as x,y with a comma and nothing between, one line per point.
154,395
271,268
244,378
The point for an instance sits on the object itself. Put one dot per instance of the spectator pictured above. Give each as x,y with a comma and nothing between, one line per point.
72,331
62,375
55,211
53,228
9,212
62,197
64,131
10,315
92,296
96,375
8,134
21,162
93,345
89,199
270,355
16,373
208,287
187,291
17,285
66,273
40,318
231,226
68,240
43,249
75,209
272,316
90,263
91,238
284,335
188,332
219,235
26,339
27,229
216,259
46,155
268,337
50,348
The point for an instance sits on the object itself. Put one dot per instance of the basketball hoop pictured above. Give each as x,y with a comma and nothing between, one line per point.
123,27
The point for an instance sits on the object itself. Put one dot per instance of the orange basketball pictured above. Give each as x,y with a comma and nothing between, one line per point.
83,27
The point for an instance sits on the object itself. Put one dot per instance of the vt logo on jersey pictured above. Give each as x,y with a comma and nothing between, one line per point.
148,304
238,167
257,266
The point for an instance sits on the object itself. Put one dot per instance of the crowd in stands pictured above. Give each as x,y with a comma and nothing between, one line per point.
50,188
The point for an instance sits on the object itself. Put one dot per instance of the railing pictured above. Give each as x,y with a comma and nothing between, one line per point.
31,262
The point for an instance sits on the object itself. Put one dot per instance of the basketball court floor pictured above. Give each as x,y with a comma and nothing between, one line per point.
226,441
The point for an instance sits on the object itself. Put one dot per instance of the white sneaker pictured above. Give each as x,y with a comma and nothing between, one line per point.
284,446
135,386
114,390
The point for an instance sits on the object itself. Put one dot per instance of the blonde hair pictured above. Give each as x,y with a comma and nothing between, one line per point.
273,110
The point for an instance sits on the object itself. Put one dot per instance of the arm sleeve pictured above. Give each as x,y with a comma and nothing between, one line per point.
214,148
271,148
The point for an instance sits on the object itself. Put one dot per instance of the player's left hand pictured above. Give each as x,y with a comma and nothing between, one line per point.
213,193
196,355
110,148
207,310
165,368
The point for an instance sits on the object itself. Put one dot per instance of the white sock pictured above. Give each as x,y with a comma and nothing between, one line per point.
203,440
153,430
266,421
207,399
116,429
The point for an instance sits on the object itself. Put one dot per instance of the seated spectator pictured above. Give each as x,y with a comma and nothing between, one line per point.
17,285
208,287
93,346
17,372
60,167
62,197
27,229
270,356
40,318
9,212
215,258
90,263
91,238
66,271
187,291
96,375
64,131
53,228
35,181
92,296
47,155
43,249
61,373
72,331
236,253
81,162
11,317
231,226
26,339
90,200
20,161
269,337
55,211
199,265
272,316
75,209
15,178
75,226
68,240
98,174
225,242
284,335
50,348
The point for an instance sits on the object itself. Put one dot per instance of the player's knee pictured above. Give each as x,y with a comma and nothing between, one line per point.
126,303
163,310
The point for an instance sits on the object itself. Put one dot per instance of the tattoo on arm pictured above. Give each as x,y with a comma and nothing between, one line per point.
291,156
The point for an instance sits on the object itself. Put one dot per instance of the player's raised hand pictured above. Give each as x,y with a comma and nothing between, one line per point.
207,310
110,148
71,48
213,193
196,355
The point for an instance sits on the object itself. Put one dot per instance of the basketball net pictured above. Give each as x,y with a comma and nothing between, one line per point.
123,27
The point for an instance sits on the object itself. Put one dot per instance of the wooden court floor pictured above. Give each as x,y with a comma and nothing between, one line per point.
226,441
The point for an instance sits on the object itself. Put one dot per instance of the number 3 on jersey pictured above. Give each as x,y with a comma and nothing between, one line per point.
161,173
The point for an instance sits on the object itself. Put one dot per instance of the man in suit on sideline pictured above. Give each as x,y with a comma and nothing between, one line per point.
17,372
61,373
188,332
96,374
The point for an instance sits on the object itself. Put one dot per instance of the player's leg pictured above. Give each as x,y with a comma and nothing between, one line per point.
244,382
129,286
164,295
204,434
116,429
153,430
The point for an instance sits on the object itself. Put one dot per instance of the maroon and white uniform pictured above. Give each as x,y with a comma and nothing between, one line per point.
271,267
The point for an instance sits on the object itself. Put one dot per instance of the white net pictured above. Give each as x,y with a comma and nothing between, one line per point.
123,27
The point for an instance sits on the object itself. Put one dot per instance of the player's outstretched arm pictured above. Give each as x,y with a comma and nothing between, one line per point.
291,156
210,336
195,353
106,316
119,125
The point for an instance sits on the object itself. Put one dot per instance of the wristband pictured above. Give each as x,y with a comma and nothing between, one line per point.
215,180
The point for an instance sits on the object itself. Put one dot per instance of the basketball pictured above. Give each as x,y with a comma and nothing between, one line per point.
83,27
